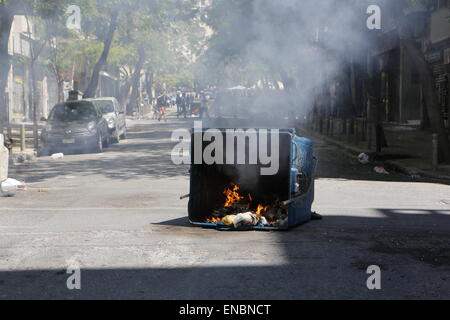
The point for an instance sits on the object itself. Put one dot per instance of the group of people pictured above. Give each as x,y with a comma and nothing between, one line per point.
187,104
184,102
245,103
192,104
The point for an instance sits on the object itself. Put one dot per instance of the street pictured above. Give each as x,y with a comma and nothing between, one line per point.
118,217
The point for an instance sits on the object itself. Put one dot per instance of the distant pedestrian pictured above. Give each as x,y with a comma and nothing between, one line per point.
162,104
179,103
155,112
190,102
204,106
183,105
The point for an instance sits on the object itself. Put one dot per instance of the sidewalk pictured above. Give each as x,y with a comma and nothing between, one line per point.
19,155
409,151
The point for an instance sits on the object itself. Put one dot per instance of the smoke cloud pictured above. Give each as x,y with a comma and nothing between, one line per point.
303,44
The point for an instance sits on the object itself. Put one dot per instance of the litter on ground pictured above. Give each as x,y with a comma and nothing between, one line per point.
380,170
57,156
9,187
363,158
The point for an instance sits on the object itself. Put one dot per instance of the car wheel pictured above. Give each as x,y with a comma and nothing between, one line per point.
107,141
116,136
124,134
99,147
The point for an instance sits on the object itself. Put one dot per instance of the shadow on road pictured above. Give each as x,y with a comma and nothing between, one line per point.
323,259
146,154
326,260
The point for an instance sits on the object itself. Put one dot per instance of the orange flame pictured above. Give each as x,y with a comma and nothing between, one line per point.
261,209
232,196
213,220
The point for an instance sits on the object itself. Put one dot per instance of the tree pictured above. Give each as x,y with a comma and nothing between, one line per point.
157,38
93,84
135,81
159,43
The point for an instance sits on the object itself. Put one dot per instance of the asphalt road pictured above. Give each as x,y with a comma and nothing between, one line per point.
119,218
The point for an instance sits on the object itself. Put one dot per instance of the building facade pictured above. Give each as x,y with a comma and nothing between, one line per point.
21,43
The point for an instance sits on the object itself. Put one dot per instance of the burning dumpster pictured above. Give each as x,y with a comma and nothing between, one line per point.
238,192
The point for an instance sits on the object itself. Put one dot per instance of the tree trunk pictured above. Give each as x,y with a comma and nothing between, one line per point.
60,90
93,84
6,19
149,76
135,82
125,93
430,97
34,103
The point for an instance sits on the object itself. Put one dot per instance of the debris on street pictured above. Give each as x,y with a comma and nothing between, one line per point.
9,187
363,158
380,170
21,186
7,191
57,156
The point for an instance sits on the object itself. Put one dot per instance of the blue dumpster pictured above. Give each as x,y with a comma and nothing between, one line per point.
290,192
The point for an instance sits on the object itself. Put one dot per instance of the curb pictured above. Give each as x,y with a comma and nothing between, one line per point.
412,171
391,164
21,158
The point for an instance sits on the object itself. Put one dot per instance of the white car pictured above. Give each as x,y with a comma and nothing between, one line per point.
114,116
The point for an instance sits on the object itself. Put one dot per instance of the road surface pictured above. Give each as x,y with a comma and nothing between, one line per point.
118,217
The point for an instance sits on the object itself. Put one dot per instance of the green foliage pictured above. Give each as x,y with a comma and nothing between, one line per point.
168,31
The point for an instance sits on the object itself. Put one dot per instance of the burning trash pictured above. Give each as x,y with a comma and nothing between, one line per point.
230,196
240,212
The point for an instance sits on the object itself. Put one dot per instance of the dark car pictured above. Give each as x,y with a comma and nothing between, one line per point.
114,116
75,126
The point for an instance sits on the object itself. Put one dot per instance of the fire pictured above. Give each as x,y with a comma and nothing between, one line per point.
233,196
235,204
261,209
213,220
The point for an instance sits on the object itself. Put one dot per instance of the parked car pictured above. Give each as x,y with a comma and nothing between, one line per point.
75,126
114,116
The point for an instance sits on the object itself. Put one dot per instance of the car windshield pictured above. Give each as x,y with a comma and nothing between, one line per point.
105,106
70,111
